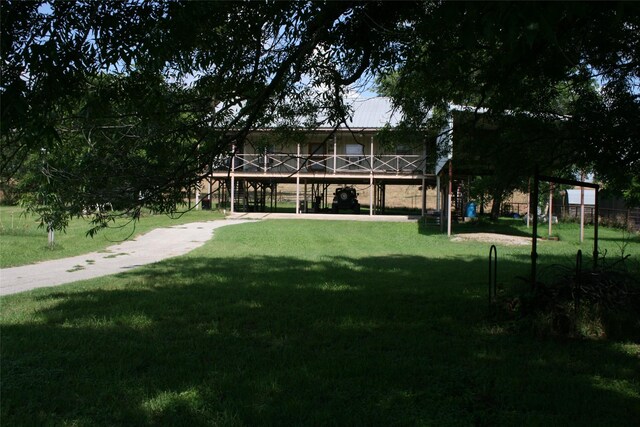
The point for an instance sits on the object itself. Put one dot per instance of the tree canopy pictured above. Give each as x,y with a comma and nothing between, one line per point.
127,102
559,81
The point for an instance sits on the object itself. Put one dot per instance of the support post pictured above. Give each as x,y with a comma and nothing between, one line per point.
266,161
304,199
424,197
371,205
582,209
528,201
233,180
438,201
233,194
371,180
450,190
371,157
596,214
550,208
298,181
335,154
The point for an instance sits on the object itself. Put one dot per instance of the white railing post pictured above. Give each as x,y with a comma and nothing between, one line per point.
233,179
265,161
371,156
335,154
298,181
371,198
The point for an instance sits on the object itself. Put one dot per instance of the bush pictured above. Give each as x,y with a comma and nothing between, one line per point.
597,303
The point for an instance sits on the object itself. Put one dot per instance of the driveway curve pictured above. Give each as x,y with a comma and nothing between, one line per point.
148,248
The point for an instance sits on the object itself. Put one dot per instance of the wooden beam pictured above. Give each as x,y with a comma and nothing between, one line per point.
567,181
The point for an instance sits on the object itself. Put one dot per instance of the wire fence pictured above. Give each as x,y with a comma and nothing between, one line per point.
627,218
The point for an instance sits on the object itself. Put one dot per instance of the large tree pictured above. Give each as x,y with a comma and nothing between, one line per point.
559,82
127,102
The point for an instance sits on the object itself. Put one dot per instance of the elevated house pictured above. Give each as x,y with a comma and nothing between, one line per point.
319,162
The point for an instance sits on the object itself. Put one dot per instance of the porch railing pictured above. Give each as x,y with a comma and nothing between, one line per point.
328,163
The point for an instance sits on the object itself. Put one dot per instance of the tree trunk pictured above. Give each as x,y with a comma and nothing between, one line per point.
495,207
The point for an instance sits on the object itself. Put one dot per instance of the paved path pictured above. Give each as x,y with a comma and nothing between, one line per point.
151,247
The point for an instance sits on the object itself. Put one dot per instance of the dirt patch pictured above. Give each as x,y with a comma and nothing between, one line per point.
502,239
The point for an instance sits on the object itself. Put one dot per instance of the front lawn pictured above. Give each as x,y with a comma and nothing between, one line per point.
23,242
308,323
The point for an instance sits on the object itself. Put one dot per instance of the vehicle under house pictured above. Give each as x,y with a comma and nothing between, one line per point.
323,166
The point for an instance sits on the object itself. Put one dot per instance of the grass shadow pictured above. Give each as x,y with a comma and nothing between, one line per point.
279,340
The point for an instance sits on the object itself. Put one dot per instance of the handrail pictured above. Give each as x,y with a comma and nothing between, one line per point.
287,162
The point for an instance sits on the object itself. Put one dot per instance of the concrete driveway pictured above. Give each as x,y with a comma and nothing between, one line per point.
151,247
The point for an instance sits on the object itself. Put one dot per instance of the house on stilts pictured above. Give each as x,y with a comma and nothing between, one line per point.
325,168
325,164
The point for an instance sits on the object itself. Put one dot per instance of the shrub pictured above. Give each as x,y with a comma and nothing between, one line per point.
595,303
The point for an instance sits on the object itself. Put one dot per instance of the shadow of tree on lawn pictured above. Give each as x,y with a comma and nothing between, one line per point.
275,340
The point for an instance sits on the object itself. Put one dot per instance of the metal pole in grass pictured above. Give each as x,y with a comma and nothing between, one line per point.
534,242
493,273
577,282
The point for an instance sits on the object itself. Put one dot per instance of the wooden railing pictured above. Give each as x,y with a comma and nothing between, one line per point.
328,163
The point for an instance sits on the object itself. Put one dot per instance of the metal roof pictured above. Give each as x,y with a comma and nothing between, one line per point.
366,113
372,113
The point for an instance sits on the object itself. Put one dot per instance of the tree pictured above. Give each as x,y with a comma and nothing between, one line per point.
131,101
530,68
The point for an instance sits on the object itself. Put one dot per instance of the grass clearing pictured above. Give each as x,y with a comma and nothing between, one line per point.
307,323
22,242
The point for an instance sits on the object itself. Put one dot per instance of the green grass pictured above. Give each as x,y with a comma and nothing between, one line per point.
307,323
23,242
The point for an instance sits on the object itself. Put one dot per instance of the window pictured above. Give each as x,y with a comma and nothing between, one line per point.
355,150
355,155
403,150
